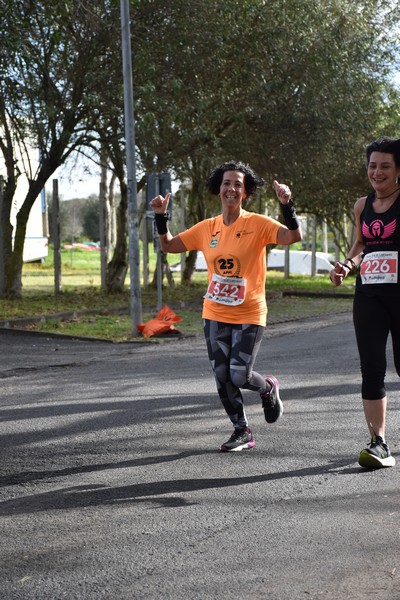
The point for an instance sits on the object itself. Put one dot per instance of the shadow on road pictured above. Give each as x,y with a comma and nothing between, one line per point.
96,495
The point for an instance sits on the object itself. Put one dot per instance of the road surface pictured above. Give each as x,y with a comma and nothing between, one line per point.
112,485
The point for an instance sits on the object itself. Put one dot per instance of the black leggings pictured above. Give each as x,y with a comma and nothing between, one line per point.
232,350
374,318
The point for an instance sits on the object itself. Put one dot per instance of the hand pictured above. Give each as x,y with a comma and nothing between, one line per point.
338,274
283,192
160,204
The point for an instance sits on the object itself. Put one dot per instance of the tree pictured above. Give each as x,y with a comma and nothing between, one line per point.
300,107
90,219
48,100
296,88
69,219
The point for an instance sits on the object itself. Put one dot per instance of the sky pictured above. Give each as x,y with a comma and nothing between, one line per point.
78,181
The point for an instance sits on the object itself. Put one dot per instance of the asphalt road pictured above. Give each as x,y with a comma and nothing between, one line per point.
112,485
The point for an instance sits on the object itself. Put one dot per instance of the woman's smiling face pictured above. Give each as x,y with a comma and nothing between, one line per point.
232,191
382,172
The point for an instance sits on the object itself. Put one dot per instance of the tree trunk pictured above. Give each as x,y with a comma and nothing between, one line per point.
165,271
14,260
105,202
190,265
113,216
168,273
13,250
118,265
196,213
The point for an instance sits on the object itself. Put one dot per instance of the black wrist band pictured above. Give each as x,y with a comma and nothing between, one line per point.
289,214
353,264
161,222
342,264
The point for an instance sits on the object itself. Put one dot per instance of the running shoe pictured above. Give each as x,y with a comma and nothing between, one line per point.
271,402
377,455
241,439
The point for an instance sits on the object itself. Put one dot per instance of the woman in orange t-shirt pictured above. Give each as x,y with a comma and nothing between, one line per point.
235,310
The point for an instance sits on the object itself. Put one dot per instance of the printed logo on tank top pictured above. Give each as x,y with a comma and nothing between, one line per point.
377,232
380,262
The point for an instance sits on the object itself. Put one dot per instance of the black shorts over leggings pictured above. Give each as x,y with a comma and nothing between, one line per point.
374,318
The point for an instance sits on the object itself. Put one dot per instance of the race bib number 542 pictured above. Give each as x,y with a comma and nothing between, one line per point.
379,267
226,290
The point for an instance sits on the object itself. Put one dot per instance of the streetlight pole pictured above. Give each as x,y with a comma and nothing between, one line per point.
133,218
2,273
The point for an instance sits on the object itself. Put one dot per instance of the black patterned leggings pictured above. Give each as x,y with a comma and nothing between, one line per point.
232,350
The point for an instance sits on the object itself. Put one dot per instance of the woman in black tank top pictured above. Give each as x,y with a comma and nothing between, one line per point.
376,313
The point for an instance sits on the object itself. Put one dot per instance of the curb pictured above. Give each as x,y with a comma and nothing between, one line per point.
166,337
11,326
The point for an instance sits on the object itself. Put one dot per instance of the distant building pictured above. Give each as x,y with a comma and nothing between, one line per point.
36,246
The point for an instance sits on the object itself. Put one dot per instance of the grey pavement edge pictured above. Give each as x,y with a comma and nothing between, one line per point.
112,485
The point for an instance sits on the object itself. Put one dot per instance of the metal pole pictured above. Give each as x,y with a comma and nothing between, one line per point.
133,217
103,236
2,270
56,238
314,247
286,269
182,224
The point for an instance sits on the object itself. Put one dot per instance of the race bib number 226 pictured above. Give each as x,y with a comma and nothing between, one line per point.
379,267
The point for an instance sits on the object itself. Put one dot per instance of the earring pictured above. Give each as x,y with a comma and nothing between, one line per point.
398,179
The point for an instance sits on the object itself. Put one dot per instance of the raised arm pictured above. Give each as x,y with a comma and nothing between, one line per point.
291,232
168,242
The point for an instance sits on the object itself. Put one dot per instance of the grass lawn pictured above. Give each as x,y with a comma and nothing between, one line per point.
81,291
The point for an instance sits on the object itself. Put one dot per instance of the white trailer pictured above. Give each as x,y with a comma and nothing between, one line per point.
36,246
300,262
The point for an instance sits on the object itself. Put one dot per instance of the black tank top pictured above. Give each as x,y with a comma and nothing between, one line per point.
380,234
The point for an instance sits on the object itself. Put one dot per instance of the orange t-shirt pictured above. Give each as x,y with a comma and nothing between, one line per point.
236,251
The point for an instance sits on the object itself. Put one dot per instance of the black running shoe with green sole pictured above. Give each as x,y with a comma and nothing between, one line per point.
377,455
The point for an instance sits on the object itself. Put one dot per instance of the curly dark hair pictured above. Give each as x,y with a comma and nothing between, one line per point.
251,180
387,145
